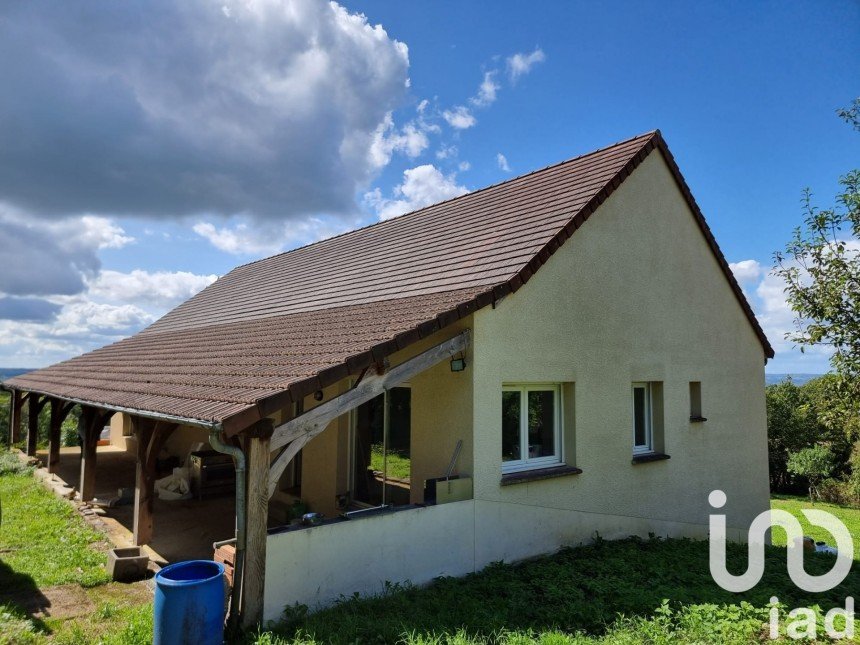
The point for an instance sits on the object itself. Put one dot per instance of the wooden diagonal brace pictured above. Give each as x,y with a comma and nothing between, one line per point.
298,431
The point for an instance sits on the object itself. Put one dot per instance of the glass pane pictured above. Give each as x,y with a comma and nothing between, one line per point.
398,457
369,452
541,423
639,431
510,426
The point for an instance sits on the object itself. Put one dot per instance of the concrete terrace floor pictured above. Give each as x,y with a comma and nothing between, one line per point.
182,530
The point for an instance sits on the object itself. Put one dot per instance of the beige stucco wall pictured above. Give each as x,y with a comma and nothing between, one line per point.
634,295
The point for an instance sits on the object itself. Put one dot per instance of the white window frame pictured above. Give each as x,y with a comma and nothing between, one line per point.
648,446
534,463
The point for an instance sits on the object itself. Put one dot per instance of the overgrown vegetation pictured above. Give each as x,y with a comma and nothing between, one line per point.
808,426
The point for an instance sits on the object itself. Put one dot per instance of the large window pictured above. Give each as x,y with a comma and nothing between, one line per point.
531,427
643,419
382,449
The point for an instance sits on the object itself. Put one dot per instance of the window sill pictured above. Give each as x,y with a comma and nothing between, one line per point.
539,473
697,419
649,457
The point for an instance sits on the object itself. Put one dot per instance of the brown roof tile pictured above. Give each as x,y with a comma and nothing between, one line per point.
279,328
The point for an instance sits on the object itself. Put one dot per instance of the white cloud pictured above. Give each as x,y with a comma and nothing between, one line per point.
521,64
421,186
746,271
114,305
240,236
410,140
486,91
164,289
51,257
268,107
502,162
447,152
459,117
463,166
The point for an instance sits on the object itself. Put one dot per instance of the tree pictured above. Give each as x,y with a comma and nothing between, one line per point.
821,270
792,425
815,464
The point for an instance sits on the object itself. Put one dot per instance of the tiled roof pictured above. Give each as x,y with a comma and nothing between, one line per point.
274,330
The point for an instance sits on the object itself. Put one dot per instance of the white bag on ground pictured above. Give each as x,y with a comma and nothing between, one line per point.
174,487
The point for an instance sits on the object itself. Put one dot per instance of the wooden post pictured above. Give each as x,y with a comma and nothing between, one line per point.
59,412
15,403
254,573
89,429
144,488
150,436
33,410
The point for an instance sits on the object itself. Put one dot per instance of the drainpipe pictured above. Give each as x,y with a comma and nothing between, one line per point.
239,458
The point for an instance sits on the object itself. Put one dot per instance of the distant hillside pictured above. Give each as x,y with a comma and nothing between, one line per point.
9,372
797,379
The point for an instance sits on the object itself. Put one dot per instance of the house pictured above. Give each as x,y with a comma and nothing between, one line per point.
560,355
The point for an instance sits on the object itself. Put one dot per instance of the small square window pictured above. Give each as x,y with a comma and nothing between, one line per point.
531,427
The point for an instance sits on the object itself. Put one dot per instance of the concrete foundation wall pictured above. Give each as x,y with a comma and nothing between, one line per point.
315,566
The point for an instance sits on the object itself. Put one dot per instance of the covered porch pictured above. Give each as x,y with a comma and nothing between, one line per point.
363,446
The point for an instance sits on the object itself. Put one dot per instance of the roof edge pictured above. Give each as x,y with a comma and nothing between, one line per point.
156,416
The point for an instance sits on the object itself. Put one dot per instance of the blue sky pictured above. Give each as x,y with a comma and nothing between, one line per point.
143,172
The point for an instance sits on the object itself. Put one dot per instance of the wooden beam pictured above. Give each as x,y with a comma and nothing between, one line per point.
33,410
315,420
151,436
282,461
254,574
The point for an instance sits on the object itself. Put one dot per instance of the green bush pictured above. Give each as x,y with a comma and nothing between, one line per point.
815,464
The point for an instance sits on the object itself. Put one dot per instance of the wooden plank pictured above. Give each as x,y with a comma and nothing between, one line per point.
254,573
315,421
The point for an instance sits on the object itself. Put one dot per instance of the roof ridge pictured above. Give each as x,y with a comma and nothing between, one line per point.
645,135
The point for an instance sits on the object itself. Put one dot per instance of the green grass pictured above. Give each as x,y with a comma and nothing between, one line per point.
399,466
849,516
43,541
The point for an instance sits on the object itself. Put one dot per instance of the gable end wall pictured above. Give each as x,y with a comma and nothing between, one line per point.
635,295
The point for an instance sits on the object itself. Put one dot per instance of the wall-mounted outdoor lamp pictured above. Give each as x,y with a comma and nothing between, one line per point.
458,364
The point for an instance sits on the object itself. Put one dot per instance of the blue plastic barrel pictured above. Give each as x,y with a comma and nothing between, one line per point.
189,604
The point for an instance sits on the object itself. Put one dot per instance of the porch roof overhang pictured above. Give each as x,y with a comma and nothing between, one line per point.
228,377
